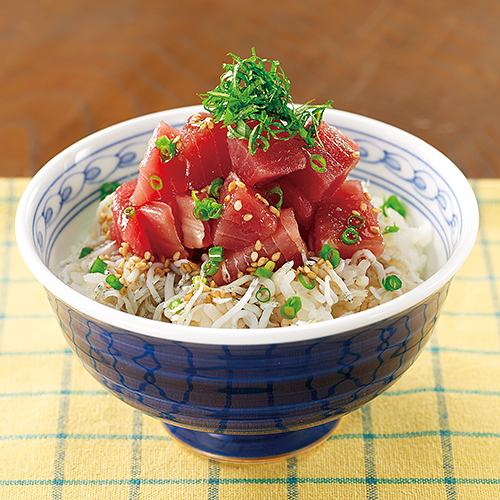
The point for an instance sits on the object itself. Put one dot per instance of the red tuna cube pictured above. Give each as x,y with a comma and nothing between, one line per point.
341,155
281,158
348,210
160,226
293,197
195,233
284,245
159,180
204,150
127,224
245,218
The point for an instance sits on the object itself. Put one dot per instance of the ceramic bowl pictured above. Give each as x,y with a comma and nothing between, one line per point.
247,395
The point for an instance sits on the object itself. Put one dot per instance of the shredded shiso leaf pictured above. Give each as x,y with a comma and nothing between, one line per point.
253,101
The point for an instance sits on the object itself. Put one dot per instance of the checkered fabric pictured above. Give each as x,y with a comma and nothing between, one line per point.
434,435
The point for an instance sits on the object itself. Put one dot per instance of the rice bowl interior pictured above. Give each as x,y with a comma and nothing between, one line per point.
324,292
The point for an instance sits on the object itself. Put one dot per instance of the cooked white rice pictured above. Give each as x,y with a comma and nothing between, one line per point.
173,291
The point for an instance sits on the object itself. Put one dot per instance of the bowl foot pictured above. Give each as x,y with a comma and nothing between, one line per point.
244,448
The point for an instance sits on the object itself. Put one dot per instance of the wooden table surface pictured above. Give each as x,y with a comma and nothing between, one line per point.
69,68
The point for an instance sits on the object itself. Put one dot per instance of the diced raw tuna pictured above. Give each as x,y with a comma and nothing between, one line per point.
341,155
293,197
285,244
220,135
128,229
281,158
195,233
287,239
331,221
160,227
245,217
204,149
316,204
149,228
158,180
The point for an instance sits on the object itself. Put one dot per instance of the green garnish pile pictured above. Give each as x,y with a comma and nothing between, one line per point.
253,101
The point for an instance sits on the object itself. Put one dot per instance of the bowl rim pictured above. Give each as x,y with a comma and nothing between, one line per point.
203,335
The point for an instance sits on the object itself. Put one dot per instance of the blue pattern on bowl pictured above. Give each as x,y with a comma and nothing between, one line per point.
414,180
255,388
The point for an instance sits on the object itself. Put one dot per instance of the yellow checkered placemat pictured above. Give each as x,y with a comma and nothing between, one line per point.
434,435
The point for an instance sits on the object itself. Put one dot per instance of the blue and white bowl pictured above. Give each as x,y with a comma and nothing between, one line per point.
247,395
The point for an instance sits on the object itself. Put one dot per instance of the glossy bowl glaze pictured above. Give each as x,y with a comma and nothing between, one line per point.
246,395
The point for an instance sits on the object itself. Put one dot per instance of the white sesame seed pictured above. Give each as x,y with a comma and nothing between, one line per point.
262,261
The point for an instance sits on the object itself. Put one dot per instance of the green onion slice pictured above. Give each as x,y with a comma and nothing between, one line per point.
327,252
270,265
315,160
394,203
350,236
114,282
390,229
275,190
206,209
309,284
216,253
85,251
155,182
129,212
198,280
263,272
392,283
107,188
215,187
98,266
210,267
174,303
167,148
355,221
291,307
263,295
